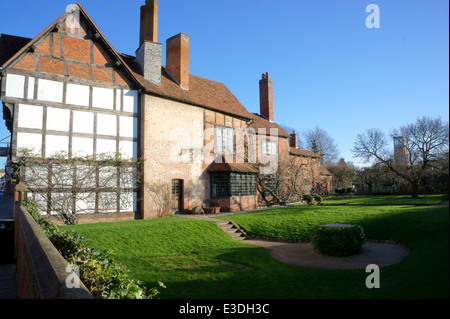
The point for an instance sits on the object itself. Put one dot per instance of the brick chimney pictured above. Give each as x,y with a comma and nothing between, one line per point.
149,22
177,59
148,56
293,141
266,97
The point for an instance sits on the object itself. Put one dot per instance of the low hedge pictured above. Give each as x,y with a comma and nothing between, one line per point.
342,240
102,276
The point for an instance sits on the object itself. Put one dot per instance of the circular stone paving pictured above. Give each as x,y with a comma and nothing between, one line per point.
302,254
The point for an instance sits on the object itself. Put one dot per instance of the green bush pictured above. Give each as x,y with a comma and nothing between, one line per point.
307,198
338,241
318,199
101,275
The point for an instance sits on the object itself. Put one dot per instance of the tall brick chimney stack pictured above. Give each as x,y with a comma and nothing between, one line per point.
293,141
149,22
266,97
148,56
177,59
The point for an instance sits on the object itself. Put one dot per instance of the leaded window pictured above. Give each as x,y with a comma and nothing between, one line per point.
223,141
243,184
226,184
220,185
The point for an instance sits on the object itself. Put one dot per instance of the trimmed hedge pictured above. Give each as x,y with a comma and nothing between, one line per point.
338,241
102,276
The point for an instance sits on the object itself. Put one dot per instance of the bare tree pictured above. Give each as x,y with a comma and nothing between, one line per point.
65,187
425,142
294,177
343,174
161,195
320,142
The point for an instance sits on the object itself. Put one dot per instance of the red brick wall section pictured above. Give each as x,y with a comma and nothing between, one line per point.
77,49
51,66
41,270
76,55
78,70
28,62
235,204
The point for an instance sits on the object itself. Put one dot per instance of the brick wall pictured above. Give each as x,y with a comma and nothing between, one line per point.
41,270
77,55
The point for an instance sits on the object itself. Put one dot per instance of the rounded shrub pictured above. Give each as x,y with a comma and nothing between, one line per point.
307,198
338,239
318,199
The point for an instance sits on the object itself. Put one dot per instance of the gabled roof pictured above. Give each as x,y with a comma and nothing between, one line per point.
10,45
303,153
261,122
202,92
14,57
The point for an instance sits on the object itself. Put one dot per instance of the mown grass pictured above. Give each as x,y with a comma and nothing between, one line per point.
376,200
196,259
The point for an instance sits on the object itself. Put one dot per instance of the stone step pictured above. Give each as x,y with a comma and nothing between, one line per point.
231,230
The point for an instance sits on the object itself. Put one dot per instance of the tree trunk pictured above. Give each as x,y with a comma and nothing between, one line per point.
414,189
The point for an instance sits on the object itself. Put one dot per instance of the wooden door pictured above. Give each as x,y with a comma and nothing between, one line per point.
177,194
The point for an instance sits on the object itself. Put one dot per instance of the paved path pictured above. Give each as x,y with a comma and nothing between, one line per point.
381,253
8,287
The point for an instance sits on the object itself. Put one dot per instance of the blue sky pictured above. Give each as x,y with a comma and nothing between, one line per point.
327,67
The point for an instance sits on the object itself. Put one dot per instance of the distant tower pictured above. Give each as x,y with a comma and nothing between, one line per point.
400,150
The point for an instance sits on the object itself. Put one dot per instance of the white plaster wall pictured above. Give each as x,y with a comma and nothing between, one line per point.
103,98
105,146
129,149
56,144
107,202
29,141
130,100
82,146
83,122
15,85
30,116
58,119
118,99
50,91
106,124
128,201
77,94
30,93
85,203
128,126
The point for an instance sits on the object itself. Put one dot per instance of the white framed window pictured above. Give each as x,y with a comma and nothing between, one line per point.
269,147
223,140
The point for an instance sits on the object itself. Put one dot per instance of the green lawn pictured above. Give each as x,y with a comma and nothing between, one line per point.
196,259
371,200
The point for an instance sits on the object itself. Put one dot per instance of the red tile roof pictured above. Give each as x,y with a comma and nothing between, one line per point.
10,45
233,167
304,153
